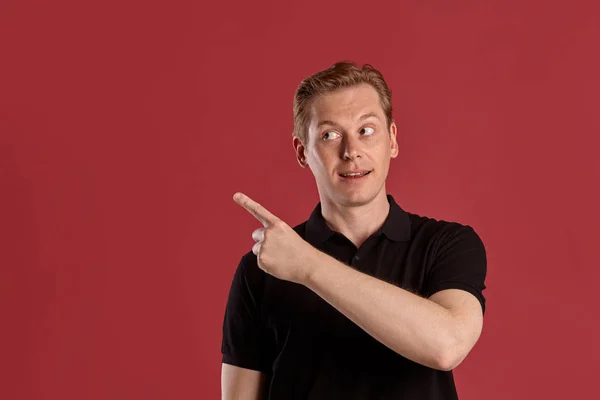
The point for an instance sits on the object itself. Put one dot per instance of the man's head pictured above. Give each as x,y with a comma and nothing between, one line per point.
343,124
340,75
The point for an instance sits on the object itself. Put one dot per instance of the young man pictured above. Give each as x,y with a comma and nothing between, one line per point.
363,300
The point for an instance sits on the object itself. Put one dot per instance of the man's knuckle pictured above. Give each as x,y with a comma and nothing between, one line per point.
261,257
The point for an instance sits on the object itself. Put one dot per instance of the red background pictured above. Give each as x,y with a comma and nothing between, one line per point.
126,127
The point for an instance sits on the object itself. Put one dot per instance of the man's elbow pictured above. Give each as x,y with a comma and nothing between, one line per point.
455,348
449,360
451,355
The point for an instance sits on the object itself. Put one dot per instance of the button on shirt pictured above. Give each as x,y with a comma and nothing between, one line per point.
309,350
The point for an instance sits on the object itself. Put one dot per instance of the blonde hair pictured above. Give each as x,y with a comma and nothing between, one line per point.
342,74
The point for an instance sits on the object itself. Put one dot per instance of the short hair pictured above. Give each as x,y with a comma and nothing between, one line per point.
342,74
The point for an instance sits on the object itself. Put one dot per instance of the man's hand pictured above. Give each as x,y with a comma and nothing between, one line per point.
280,251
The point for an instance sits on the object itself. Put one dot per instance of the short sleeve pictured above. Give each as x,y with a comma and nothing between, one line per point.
242,326
460,262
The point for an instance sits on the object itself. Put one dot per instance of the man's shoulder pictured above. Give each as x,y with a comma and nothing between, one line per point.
426,227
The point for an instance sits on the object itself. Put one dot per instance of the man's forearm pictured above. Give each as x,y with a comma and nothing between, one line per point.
416,328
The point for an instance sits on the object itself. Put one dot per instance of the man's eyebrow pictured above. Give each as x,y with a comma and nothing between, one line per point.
368,115
326,122
361,118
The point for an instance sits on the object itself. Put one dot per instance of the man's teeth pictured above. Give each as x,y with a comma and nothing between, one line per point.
355,174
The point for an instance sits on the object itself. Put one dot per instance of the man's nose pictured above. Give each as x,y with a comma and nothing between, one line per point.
351,148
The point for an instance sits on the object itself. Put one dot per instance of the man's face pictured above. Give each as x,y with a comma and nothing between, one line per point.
349,145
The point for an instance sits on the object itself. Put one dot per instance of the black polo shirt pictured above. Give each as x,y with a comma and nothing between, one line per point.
309,350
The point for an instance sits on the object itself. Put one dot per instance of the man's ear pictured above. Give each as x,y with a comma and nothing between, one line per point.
393,141
300,150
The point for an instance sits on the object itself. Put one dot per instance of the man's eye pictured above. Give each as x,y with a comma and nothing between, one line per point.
329,135
367,130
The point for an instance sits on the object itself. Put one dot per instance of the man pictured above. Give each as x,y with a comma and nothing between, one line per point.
363,300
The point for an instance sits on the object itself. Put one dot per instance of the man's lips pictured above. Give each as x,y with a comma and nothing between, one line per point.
354,174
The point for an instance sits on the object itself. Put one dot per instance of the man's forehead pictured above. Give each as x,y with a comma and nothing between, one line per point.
349,103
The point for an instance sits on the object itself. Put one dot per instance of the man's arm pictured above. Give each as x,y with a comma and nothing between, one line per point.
241,383
437,332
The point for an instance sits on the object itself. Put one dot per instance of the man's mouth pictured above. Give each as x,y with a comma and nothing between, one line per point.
356,174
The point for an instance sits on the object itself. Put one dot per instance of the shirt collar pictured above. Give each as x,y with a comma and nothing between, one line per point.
396,225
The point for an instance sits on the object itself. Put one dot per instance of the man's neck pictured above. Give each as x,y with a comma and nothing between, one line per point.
359,222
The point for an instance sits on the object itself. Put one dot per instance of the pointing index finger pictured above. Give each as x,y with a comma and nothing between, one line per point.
254,208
